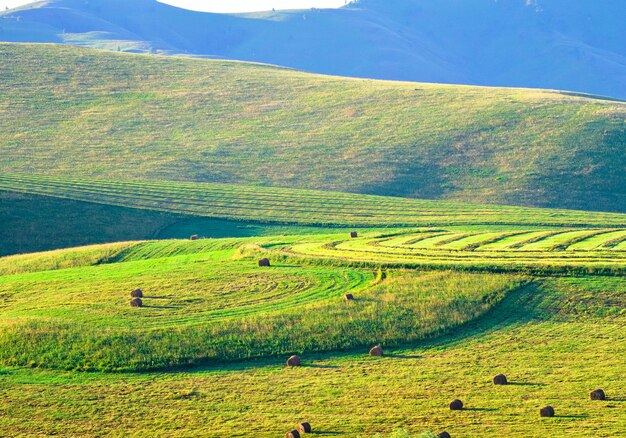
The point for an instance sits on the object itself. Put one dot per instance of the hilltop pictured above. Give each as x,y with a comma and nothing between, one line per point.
556,44
71,112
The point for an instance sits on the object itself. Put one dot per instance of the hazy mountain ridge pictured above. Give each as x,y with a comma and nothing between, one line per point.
574,45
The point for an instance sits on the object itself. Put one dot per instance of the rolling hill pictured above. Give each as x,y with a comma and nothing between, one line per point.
71,112
310,246
559,44
207,304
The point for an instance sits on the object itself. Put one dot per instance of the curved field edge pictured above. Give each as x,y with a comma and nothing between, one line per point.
555,342
67,327
369,250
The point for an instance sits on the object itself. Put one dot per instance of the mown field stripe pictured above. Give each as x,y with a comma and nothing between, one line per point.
295,206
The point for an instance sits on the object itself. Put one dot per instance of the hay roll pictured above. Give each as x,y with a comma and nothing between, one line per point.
456,405
443,435
376,351
136,302
137,293
292,434
264,263
294,361
548,411
500,379
304,428
354,234
597,394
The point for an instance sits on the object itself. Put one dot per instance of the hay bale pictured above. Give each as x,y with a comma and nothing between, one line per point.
194,237
354,234
348,297
292,434
304,428
456,405
294,361
500,379
137,293
136,302
548,411
264,263
376,351
443,435
597,394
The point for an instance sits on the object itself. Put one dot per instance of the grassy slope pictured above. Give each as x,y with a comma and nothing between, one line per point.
203,305
32,206
558,337
32,223
79,112
556,342
547,251
207,301
304,207
37,223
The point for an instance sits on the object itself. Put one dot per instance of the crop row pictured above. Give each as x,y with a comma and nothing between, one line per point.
403,250
236,202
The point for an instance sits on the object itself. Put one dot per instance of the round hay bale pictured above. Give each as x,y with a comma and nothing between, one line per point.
136,302
294,361
376,351
304,428
548,411
456,405
597,394
264,263
354,234
348,297
443,434
137,293
292,434
194,237
500,379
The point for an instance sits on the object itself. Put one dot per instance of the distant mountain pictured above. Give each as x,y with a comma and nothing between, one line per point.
564,44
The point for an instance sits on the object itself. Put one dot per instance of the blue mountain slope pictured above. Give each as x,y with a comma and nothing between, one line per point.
566,44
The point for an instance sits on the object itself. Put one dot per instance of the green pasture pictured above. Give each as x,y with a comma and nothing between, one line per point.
556,340
75,112
110,162
208,302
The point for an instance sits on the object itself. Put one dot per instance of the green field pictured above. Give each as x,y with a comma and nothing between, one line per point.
72,112
110,162
84,211
550,254
207,302
208,305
